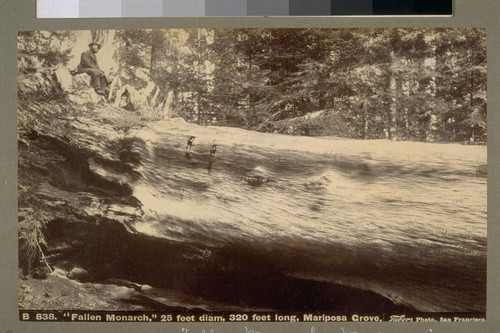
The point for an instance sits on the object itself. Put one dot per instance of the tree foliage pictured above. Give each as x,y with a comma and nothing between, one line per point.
44,48
401,84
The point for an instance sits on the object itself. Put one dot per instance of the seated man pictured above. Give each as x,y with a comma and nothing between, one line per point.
88,64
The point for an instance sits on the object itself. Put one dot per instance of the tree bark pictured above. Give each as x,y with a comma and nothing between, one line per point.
392,109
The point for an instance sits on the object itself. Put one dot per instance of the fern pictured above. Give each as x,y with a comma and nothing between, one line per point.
31,238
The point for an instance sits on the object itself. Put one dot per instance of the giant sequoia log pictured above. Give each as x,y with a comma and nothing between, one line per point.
218,218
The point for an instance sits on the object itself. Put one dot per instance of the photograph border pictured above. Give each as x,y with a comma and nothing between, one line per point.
18,16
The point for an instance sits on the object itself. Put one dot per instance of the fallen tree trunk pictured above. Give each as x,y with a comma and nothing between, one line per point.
168,203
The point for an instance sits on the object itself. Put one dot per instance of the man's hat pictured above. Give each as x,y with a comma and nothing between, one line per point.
94,43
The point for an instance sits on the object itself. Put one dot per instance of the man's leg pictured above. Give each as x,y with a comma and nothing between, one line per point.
95,79
104,84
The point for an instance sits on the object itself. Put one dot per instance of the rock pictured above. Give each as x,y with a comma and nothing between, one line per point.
64,78
77,273
81,81
59,272
144,100
84,96
40,272
77,86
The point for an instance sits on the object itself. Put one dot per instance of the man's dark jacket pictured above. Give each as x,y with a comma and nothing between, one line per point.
88,60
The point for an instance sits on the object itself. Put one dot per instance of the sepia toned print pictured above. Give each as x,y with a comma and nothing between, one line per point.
252,175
